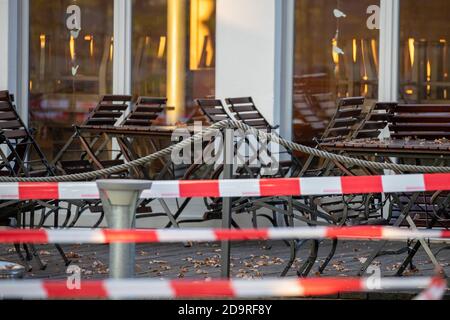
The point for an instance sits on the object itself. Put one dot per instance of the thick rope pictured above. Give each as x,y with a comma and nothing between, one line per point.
236,125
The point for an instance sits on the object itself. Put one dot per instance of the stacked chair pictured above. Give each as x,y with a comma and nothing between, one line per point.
22,157
115,121
118,131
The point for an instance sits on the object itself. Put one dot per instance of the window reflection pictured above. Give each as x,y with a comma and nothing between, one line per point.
336,55
70,65
424,54
185,72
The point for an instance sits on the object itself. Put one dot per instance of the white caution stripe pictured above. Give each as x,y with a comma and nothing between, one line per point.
238,187
144,288
100,236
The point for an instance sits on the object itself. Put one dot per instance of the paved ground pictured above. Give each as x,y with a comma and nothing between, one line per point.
202,260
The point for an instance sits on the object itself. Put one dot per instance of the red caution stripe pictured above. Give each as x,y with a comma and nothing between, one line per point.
152,288
100,236
239,187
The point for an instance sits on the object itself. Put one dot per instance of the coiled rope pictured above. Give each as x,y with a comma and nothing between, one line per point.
232,125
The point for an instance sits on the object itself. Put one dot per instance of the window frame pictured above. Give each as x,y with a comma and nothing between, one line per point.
388,77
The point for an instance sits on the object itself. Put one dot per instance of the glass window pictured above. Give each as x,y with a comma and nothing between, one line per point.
71,54
336,55
174,52
424,54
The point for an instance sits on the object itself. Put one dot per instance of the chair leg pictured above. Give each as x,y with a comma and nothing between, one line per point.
63,255
412,252
292,256
234,224
68,215
28,254
100,220
37,257
305,269
289,219
254,220
329,257
56,216
22,258
404,213
77,216
177,214
169,214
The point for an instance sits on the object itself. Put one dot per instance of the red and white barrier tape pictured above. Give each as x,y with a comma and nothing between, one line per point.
237,188
143,288
100,236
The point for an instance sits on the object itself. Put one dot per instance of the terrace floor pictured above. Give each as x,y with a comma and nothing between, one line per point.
257,259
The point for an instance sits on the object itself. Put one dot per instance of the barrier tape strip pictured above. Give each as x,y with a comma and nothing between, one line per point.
435,291
102,236
237,188
143,288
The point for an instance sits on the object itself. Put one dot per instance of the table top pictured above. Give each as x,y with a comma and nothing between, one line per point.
391,146
136,130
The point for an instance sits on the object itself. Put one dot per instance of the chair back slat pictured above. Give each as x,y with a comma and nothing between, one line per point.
424,121
348,115
375,121
213,110
108,111
25,158
245,110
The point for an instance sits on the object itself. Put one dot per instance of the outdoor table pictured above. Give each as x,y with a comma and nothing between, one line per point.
437,150
404,148
123,134
10,270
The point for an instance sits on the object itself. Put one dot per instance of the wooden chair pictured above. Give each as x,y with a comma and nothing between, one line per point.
375,121
342,126
245,110
347,116
22,157
421,121
145,112
24,153
427,123
213,110
82,151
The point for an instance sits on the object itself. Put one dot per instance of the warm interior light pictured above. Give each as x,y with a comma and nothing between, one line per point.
91,44
366,89
162,47
354,50
111,49
72,48
445,64
200,35
91,47
411,50
409,91
428,76
365,77
43,41
373,44
334,44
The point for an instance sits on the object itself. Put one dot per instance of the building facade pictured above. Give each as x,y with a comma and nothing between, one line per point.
59,56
